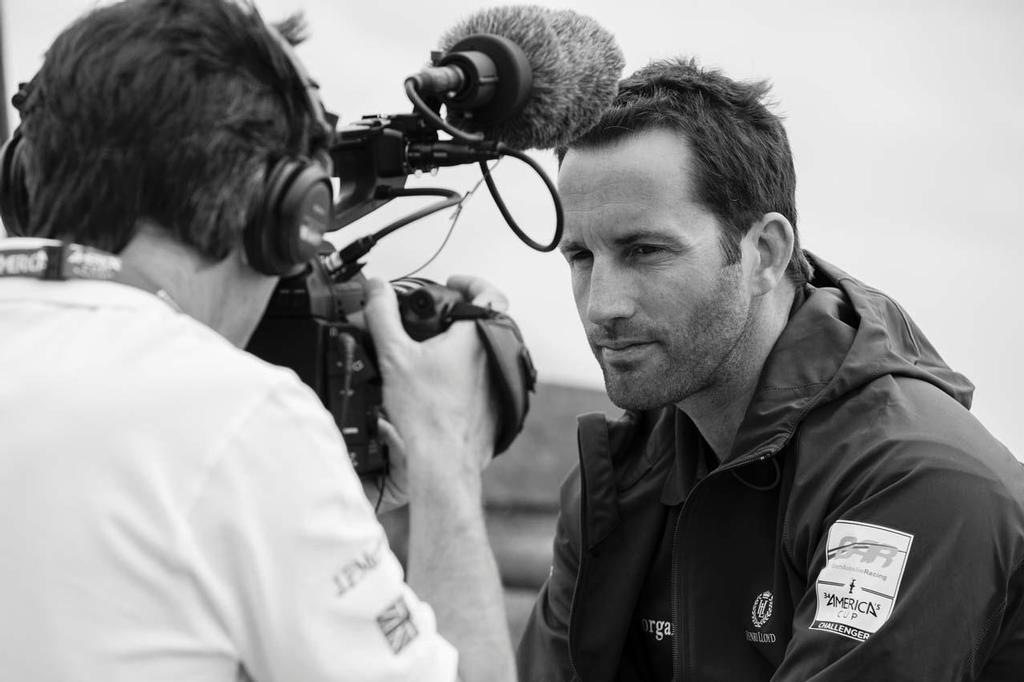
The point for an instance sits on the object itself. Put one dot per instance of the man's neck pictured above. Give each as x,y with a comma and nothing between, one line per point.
718,410
225,295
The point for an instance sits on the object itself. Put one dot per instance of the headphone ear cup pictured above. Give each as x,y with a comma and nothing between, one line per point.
13,189
288,225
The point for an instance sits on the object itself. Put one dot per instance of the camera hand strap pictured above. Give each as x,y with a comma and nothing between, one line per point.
513,375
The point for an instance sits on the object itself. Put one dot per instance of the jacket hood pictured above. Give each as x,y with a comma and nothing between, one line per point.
843,336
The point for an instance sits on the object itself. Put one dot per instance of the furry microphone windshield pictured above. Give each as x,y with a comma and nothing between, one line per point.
575,65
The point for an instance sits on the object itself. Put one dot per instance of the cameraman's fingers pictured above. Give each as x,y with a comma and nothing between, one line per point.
397,484
389,434
381,310
479,292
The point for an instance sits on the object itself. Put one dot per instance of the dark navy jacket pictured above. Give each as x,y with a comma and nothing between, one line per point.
865,526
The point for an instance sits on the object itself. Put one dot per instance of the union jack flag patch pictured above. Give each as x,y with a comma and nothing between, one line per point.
396,624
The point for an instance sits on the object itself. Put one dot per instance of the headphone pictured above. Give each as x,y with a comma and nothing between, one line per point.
289,220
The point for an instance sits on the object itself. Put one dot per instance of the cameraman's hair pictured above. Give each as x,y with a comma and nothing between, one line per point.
167,110
742,164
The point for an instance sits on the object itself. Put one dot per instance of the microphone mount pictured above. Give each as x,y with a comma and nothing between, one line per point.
484,78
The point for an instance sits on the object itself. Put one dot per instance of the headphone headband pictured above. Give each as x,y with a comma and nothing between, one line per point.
291,215
322,129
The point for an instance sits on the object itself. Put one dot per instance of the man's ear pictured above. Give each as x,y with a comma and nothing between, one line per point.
771,240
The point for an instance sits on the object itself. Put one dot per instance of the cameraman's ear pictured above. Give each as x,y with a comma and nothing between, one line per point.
770,241
479,292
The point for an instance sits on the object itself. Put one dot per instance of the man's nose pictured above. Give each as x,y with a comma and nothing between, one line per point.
610,296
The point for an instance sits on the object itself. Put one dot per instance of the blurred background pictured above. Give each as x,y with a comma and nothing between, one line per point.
906,127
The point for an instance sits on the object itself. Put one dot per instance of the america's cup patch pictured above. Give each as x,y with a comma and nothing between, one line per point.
858,586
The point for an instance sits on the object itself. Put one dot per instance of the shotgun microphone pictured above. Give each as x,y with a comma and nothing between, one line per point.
526,76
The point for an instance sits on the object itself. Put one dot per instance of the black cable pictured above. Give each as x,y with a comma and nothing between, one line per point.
419,105
360,247
452,198
559,214
433,257
451,230
382,482
433,117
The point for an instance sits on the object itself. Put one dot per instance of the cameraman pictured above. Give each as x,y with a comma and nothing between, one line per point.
173,508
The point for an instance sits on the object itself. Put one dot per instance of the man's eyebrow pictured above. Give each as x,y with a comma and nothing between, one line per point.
640,236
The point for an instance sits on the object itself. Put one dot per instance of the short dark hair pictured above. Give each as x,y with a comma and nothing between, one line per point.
168,110
743,167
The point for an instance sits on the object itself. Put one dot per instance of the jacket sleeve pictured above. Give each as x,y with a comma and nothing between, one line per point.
913,568
543,653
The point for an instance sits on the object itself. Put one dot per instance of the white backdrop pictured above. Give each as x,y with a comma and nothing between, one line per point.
904,116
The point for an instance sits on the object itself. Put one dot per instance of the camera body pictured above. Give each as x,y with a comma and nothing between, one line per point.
308,326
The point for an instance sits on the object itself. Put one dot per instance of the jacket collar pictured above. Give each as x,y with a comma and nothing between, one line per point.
844,335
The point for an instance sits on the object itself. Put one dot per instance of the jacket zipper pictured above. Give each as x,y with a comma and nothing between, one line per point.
676,593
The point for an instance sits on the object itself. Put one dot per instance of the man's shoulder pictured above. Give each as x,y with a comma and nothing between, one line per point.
179,355
198,353
137,392
899,411
100,351
618,451
901,429
210,375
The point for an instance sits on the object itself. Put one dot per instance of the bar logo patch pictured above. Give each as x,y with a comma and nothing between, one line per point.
857,588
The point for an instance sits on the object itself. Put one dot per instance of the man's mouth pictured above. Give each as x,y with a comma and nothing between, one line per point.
620,344
622,350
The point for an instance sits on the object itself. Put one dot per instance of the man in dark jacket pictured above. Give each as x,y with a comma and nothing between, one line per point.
797,490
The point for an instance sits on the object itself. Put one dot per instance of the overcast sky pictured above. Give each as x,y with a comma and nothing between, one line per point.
904,116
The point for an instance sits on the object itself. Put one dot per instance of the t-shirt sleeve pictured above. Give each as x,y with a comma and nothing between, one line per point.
291,558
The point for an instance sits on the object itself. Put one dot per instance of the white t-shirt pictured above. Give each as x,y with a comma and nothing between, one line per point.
173,508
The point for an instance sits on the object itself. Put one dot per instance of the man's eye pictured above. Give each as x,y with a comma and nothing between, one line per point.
577,256
643,250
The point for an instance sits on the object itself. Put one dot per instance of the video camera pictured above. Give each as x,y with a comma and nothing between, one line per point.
307,327
308,323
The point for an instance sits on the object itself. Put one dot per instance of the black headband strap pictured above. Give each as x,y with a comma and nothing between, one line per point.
56,260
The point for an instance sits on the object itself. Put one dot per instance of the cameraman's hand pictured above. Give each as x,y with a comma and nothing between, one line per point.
479,292
436,392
